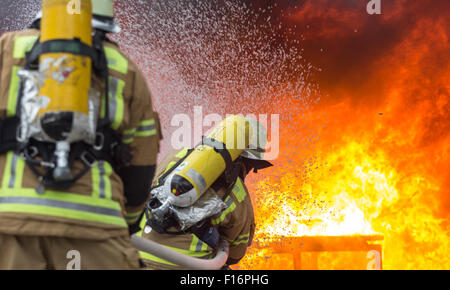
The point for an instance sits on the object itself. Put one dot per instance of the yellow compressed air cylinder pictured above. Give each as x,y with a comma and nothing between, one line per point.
204,165
66,76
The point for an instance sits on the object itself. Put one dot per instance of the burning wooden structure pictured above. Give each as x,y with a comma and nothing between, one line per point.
365,250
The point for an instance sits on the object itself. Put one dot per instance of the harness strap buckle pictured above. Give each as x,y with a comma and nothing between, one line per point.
99,141
88,159
32,151
20,135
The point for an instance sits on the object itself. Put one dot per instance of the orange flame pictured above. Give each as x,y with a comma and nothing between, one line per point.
379,169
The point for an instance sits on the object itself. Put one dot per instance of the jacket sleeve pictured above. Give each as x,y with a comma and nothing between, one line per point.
236,223
143,135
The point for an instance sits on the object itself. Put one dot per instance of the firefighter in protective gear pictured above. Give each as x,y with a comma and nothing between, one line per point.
95,216
235,221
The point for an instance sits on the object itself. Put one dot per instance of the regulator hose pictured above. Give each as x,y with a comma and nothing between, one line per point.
182,260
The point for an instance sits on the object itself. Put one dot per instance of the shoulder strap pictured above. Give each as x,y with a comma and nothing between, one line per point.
72,46
101,69
231,171
168,172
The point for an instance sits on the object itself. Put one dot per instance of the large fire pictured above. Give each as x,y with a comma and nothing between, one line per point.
371,159
381,169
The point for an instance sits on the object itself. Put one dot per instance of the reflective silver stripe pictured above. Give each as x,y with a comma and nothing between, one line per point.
128,136
61,204
146,128
198,247
229,202
196,177
12,179
112,98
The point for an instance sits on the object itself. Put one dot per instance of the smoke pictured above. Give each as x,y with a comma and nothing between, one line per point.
348,44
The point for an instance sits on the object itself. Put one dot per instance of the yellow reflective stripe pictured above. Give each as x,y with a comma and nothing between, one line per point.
171,164
119,105
108,172
95,172
231,206
19,173
147,256
182,153
116,61
197,245
13,173
193,243
63,205
13,92
146,128
7,172
239,190
116,102
142,225
62,196
20,168
101,182
191,252
128,136
204,247
128,132
132,218
242,239
239,243
147,123
23,44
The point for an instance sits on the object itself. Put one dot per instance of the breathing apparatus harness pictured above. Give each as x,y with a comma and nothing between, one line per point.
204,229
40,155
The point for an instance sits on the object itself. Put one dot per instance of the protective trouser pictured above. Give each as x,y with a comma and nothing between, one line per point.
55,253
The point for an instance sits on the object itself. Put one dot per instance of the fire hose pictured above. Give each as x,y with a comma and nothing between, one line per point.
182,260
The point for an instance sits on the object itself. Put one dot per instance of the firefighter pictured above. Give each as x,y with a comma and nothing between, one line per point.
81,215
234,221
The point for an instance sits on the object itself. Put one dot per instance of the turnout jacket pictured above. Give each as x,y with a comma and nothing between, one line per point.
103,203
236,223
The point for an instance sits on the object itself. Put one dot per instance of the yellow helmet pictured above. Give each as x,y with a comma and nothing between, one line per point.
258,141
103,12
